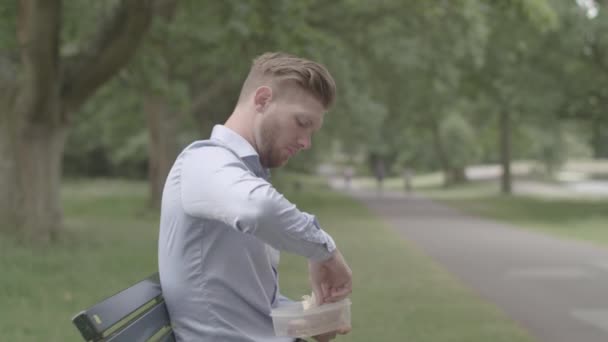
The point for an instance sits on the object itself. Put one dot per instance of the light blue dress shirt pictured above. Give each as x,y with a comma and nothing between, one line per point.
221,228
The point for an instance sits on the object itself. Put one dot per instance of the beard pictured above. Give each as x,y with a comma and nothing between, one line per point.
270,157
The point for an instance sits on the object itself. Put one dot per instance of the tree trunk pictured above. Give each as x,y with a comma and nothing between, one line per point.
162,146
30,170
505,152
8,174
599,139
40,155
161,122
35,113
441,155
31,204
8,127
33,127
457,175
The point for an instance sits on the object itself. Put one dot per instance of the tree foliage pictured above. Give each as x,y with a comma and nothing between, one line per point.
423,84
401,66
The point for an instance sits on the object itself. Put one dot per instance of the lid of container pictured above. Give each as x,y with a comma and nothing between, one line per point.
297,310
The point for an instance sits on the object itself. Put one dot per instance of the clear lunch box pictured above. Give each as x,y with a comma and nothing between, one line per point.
293,321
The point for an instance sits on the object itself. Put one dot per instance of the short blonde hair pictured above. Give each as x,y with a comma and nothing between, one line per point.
279,67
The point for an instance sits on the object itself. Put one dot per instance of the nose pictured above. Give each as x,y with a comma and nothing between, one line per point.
304,142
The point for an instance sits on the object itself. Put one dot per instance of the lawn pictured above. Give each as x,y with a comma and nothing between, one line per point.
579,218
110,243
583,219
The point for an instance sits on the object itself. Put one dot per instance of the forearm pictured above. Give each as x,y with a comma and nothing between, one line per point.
233,195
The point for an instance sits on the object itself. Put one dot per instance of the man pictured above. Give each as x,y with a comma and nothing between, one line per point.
222,223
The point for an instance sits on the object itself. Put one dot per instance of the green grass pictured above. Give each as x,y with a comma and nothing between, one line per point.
583,219
399,294
433,179
110,243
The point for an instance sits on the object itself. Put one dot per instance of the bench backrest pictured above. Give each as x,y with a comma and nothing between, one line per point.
135,314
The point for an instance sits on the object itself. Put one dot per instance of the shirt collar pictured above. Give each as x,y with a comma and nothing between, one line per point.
240,146
233,140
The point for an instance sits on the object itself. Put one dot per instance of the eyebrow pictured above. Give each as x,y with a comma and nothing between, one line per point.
302,117
308,121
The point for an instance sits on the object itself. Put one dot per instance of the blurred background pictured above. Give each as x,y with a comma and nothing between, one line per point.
465,100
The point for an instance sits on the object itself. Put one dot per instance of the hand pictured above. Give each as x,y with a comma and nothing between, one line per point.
331,280
331,335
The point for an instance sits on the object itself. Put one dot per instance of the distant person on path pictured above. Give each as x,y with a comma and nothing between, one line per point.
348,176
408,174
222,223
380,173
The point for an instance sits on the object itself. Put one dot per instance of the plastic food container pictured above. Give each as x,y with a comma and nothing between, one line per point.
293,321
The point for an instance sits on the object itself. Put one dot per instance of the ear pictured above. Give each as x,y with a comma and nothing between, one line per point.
262,98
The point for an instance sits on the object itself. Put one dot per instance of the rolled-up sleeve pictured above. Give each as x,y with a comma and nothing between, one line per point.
226,190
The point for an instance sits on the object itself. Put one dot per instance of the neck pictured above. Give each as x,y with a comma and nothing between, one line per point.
242,123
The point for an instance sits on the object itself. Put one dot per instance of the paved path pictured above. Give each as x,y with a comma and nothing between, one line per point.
556,289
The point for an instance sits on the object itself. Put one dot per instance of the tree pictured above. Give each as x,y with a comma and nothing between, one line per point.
415,61
589,54
507,77
47,86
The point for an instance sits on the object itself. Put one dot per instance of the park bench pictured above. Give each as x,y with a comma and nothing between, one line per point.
135,314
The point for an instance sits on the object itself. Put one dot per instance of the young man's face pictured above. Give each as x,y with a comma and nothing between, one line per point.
286,125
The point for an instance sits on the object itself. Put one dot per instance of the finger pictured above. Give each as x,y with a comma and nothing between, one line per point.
341,292
337,295
326,292
317,289
318,294
327,336
322,338
344,330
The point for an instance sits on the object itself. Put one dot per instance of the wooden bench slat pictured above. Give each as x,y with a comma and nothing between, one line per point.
94,321
144,327
169,337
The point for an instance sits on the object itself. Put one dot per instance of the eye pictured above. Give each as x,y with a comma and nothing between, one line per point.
300,123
